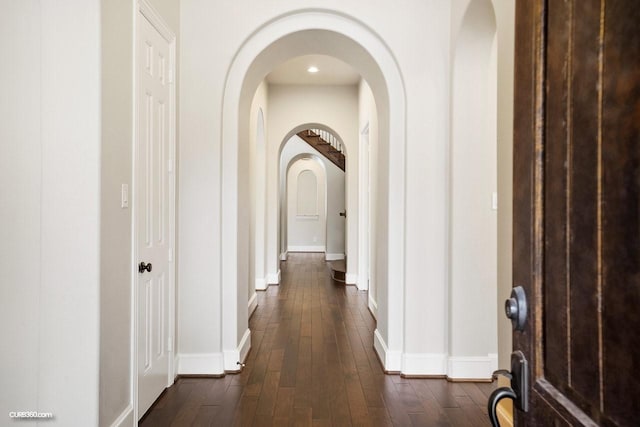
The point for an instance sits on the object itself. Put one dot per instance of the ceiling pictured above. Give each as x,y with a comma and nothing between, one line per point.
332,71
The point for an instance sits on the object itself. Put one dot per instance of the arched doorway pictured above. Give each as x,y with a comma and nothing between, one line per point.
332,240
279,40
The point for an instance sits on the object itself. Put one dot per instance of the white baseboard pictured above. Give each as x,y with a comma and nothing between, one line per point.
333,257
252,304
283,256
391,360
261,284
373,307
232,357
245,345
351,279
200,364
424,364
472,368
305,249
273,279
125,418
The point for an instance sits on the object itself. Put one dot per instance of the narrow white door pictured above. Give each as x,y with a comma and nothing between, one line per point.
153,213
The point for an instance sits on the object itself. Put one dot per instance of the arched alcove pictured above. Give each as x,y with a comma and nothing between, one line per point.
281,39
473,203
295,148
305,207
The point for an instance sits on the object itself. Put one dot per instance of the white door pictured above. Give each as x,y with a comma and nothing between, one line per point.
153,213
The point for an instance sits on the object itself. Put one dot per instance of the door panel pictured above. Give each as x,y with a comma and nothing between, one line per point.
152,213
576,208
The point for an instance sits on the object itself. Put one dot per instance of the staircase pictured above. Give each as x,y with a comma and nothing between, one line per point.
326,144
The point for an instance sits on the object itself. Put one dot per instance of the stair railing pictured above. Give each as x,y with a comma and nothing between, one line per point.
328,137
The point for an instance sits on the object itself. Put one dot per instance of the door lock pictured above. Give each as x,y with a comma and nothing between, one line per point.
516,308
142,267
519,390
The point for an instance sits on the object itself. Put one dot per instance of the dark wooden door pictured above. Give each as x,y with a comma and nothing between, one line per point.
577,209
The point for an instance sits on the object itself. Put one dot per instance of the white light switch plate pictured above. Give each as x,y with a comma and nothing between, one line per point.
125,196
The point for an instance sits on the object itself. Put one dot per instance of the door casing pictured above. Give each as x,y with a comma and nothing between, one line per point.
144,10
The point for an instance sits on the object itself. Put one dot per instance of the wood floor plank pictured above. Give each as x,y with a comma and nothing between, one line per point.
205,416
284,403
312,363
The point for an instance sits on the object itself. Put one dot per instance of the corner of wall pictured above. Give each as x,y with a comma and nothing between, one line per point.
352,279
391,360
274,278
261,284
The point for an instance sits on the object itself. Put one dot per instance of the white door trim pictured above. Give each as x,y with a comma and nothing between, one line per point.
144,10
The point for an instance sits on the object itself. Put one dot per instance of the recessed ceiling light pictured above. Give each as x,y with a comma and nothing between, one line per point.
313,69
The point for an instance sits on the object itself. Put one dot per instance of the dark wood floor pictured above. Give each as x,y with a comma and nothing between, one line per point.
312,363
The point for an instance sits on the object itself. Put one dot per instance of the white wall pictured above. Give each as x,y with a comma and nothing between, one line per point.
427,79
115,227
422,80
335,230
412,214
199,281
368,120
20,203
50,175
505,17
306,206
117,41
290,108
258,192
473,226
505,24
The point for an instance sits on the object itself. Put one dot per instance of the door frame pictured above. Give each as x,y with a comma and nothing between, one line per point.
144,10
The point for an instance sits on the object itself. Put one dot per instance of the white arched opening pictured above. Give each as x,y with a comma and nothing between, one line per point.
473,197
293,148
306,201
352,42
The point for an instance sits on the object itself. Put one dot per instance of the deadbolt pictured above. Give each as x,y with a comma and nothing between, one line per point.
516,308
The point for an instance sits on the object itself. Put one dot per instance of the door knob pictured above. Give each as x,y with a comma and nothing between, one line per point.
142,267
344,214
516,308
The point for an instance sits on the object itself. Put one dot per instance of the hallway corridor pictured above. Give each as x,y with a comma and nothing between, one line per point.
312,363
